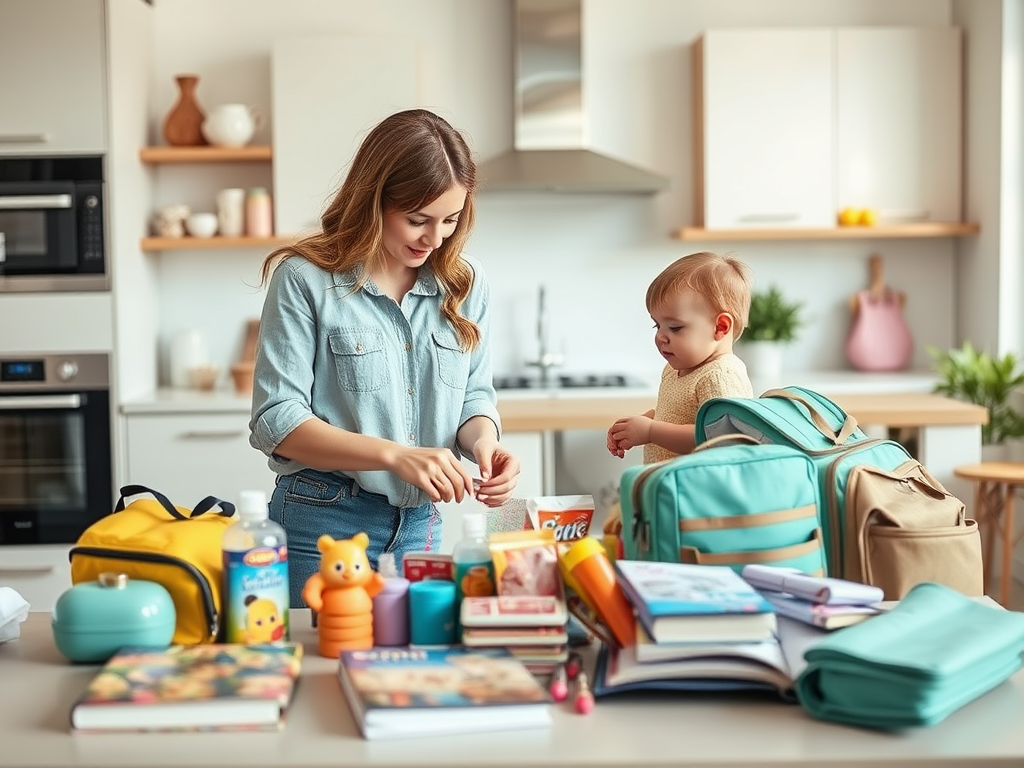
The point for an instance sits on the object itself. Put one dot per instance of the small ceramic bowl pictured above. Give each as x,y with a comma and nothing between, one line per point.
204,376
201,224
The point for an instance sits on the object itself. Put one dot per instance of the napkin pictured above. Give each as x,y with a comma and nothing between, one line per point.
13,611
934,652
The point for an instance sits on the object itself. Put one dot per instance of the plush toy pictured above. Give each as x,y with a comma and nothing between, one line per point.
342,595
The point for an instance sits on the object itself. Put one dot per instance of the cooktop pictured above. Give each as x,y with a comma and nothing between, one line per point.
567,381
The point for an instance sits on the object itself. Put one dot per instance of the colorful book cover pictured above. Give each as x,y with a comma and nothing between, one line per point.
680,589
509,610
194,687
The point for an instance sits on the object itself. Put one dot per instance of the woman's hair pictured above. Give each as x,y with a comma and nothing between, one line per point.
722,281
406,162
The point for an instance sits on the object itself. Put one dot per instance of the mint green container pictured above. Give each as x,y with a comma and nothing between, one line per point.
93,619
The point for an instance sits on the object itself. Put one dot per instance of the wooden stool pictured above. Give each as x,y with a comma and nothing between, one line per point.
996,483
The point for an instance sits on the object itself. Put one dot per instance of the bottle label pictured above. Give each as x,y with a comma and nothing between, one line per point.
474,579
256,595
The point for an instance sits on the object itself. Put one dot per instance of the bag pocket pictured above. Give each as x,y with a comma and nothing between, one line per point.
897,559
807,555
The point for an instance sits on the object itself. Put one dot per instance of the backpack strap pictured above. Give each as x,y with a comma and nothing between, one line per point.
819,421
737,437
227,509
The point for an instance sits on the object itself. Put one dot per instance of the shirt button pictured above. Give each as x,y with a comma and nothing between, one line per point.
359,347
408,346
410,390
411,437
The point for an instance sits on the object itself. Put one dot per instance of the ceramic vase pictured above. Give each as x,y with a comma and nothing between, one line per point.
183,126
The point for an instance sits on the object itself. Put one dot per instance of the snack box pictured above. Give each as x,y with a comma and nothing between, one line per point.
417,566
568,516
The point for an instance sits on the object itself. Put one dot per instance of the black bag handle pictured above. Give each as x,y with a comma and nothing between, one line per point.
227,509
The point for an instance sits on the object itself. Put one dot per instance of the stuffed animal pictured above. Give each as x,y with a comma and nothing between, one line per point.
342,595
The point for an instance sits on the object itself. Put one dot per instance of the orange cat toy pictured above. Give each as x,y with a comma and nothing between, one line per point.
342,595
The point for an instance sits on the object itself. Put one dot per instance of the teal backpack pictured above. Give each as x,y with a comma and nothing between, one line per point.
801,419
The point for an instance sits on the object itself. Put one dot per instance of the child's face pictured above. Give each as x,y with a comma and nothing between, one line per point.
688,332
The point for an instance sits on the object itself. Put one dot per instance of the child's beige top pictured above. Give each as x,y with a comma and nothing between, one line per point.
679,397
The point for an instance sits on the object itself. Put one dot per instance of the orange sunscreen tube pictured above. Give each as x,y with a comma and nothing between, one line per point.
588,563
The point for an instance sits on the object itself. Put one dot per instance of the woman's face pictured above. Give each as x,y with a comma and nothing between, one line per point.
409,237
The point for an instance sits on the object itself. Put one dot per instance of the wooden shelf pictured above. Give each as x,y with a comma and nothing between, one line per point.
205,154
213,243
881,231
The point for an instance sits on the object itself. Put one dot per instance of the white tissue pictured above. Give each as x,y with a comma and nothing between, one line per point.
13,611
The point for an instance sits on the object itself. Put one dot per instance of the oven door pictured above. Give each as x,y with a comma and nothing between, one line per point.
38,233
55,464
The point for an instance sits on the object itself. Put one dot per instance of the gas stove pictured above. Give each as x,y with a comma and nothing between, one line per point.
567,381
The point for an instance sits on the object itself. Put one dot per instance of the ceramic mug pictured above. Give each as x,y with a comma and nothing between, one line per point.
231,125
231,211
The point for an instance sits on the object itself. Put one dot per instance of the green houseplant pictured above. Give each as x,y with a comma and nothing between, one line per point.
772,317
977,377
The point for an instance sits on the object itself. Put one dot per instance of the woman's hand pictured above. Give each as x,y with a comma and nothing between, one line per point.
499,472
435,471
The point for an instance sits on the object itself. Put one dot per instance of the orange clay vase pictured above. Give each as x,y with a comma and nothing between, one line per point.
342,595
183,124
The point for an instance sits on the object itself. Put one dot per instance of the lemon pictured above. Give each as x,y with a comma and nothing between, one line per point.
849,217
868,217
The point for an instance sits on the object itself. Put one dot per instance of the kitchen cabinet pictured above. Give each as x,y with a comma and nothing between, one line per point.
188,456
53,88
326,98
793,125
38,572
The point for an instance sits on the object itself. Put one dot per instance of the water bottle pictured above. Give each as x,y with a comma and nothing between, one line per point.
255,589
471,559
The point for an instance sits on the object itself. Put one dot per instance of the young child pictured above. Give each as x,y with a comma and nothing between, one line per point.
699,305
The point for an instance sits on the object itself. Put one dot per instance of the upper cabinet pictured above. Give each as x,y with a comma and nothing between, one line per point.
794,125
53,86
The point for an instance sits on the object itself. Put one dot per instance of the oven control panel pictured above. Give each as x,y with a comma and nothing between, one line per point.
50,371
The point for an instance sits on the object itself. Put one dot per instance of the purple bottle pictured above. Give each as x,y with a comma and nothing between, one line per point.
391,605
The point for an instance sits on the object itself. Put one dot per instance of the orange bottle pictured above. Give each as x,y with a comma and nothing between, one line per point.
594,578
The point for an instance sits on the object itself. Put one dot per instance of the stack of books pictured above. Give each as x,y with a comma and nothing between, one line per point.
822,602
531,627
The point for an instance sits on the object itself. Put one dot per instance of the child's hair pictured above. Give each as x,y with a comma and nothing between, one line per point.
723,281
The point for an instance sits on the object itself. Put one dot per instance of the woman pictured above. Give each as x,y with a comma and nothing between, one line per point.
373,371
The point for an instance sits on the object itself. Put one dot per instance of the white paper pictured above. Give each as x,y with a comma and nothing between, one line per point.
817,589
13,610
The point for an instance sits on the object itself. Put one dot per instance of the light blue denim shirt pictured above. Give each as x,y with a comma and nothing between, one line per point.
362,362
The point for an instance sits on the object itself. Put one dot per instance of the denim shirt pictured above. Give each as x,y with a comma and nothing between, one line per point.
362,362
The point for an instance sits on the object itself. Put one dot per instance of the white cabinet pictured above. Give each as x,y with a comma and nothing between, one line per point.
326,97
794,125
898,128
528,448
52,76
188,456
766,125
38,572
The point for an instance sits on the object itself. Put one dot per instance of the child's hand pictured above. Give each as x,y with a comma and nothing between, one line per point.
630,432
613,446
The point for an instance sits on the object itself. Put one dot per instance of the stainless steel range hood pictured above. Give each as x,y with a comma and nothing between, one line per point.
551,153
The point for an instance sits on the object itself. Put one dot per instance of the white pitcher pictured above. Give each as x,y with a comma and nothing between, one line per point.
231,125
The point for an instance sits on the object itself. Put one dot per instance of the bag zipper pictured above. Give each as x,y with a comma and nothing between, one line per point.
209,608
643,539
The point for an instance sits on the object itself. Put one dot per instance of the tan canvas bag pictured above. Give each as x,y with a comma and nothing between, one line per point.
903,528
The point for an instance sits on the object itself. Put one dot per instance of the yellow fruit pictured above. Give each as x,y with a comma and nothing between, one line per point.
868,217
849,217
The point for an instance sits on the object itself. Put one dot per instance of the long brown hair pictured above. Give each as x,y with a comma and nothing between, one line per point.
409,160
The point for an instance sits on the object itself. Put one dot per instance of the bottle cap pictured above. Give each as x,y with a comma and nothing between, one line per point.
474,525
252,505
386,565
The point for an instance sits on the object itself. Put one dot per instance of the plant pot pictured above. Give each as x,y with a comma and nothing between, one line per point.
764,362
242,375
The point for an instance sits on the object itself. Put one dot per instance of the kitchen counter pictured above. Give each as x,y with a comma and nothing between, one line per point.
700,730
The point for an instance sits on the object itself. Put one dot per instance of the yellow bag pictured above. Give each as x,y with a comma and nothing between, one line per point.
153,540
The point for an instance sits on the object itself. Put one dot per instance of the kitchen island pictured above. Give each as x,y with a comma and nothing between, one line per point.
38,687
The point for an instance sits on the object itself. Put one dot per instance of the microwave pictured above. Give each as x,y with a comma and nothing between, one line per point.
52,224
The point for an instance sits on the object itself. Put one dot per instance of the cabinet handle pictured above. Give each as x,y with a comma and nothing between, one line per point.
201,434
24,138
30,202
28,569
768,218
14,403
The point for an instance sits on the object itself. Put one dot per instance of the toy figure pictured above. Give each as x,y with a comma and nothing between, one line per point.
263,622
342,595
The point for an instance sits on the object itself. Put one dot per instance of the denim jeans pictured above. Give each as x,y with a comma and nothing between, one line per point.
309,504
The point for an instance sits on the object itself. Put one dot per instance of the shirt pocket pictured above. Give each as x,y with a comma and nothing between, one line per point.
452,361
360,358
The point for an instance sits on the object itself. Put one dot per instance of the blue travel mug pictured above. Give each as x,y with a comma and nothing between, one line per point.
432,612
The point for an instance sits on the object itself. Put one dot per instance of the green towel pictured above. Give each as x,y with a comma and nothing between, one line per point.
931,654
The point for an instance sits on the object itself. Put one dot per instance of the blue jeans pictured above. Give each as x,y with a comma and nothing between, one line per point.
310,503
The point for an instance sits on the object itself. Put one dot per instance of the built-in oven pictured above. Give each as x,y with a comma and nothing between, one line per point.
52,224
55,446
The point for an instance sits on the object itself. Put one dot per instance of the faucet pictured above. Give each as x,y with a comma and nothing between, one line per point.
545,360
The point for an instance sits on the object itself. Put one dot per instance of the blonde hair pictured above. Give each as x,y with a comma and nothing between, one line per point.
722,281
406,162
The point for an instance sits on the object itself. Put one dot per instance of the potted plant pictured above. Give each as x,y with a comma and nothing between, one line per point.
977,377
772,323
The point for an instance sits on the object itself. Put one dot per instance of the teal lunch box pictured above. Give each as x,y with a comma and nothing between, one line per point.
93,619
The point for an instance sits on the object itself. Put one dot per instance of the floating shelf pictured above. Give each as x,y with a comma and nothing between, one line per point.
881,231
205,154
213,243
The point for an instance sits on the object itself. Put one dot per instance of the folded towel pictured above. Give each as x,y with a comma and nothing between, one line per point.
931,654
13,611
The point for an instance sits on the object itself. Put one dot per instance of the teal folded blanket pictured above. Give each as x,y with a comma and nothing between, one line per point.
931,654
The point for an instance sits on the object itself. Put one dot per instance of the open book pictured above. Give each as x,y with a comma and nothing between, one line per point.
772,664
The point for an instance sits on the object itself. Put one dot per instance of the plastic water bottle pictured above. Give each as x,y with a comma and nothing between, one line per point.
471,559
255,590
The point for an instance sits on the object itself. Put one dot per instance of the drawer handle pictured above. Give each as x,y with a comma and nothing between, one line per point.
212,434
28,569
24,138
768,218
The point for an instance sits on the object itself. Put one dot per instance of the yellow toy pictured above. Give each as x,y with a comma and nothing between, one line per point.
262,621
342,595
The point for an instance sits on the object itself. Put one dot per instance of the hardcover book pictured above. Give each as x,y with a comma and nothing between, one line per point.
513,610
678,602
194,687
398,693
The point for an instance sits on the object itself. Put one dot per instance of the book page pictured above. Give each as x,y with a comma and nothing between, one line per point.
795,638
